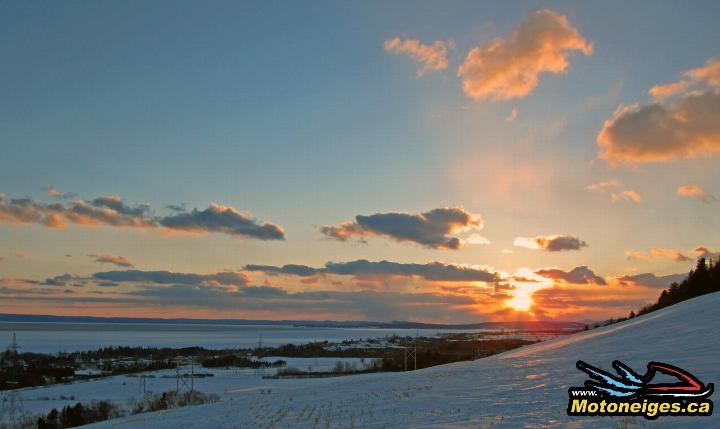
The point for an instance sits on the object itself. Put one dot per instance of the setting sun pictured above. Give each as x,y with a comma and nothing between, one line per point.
521,302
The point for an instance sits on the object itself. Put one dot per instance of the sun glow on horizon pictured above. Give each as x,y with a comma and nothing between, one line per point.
526,283
521,302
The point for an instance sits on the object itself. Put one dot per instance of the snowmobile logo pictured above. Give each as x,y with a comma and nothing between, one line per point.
630,384
629,393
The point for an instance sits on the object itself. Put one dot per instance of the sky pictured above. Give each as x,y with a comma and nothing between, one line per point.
431,161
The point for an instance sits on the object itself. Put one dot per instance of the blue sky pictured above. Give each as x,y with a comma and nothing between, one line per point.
294,112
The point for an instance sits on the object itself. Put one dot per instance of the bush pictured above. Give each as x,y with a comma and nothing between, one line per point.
78,415
172,399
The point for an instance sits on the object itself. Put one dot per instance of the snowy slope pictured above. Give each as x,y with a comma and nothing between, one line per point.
526,387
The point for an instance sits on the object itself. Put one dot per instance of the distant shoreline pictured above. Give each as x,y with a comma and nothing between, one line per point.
534,325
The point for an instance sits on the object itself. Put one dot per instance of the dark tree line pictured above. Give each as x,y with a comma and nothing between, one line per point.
704,279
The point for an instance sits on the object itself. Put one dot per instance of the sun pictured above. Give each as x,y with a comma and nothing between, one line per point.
523,290
520,302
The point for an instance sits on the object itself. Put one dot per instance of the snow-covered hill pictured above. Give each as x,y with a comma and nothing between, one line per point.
526,387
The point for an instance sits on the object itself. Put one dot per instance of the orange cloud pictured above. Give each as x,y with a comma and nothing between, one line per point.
662,252
636,254
511,67
658,253
602,186
626,196
694,191
667,89
659,131
51,191
709,74
105,258
566,301
432,57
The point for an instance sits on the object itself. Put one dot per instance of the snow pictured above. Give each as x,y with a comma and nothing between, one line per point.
124,389
526,387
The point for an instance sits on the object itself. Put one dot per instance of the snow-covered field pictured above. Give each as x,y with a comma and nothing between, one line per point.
526,387
124,390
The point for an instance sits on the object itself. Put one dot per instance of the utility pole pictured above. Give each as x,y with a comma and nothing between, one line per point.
11,407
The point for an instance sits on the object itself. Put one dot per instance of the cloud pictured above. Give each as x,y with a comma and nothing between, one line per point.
51,191
694,191
432,57
258,302
636,254
564,301
550,243
578,275
431,229
650,280
114,202
708,74
433,271
626,196
17,287
368,305
291,269
511,67
661,91
226,220
110,210
704,252
658,253
662,252
105,258
225,278
512,116
66,280
655,132
602,186
662,131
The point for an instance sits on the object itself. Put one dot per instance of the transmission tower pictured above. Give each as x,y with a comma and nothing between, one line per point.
181,381
260,369
411,353
11,408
